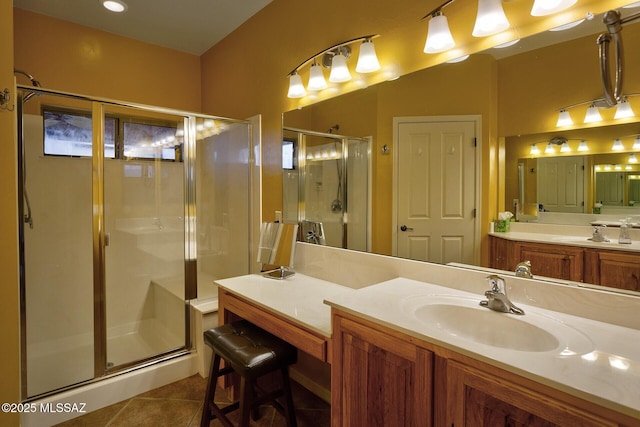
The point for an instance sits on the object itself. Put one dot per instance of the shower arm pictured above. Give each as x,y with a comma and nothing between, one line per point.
613,21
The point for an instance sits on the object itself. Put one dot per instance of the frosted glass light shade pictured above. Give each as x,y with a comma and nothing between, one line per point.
623,110
439,36
617,145
490,19
593,115
367,58
549,149
564,119
296,88
632,158
534,149
547,7
339,70
636,143
316,78
564,148
583,146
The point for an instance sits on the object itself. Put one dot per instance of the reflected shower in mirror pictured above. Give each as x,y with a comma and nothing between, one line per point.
326,187
277,248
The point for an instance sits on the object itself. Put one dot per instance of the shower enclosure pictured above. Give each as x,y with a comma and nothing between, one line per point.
128,213
326,188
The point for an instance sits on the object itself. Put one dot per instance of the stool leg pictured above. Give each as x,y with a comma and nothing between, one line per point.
246,400
290,413
205,420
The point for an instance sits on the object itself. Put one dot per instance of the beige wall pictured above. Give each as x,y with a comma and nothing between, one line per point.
9,310
77,59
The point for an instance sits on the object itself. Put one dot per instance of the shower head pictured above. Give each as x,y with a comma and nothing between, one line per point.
34,82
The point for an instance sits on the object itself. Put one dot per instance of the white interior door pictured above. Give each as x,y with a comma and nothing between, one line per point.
610,188
561,183
435,190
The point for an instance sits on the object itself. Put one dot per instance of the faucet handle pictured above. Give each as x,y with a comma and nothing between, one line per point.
497,283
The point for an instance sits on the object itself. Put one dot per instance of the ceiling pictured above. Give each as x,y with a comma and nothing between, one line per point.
191,26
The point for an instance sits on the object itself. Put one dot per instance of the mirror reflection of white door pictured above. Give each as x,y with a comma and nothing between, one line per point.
435,189
561,183
610,188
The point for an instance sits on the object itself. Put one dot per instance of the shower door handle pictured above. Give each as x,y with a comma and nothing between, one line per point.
405,228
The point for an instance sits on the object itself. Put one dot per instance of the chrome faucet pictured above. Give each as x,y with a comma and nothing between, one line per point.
598,236
523,269
497,299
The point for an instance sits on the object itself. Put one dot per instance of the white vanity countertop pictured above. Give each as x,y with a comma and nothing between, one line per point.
299,298
571,240
598,362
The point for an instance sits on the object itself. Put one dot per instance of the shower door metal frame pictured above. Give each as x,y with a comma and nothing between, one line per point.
99,240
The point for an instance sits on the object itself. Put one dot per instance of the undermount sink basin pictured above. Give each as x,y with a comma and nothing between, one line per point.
463,318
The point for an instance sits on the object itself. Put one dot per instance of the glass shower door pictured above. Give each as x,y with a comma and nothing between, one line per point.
55,162
144,210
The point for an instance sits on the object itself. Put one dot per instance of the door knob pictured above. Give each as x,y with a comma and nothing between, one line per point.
405,228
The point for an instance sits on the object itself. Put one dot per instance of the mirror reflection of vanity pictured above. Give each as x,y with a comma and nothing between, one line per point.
505,81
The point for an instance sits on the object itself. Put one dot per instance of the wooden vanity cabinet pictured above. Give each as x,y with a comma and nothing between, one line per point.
479,399
616,269
613,268
382,377
560,262
378,379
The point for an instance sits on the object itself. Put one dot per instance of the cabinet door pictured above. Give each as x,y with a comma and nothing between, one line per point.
378,379
617,269
477,399
560,262
500,250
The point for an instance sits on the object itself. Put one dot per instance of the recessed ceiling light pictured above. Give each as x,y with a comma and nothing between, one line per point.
114,5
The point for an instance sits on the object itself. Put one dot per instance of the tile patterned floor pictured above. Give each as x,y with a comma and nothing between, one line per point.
180,404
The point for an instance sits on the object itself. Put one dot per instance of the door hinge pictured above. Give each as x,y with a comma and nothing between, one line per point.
475,142
474,212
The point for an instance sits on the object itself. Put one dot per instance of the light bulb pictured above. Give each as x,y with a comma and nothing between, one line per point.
439,36
564,119
547,7
296,88
490,19
316,78
623,110
367,59
593,114
339,70
617,145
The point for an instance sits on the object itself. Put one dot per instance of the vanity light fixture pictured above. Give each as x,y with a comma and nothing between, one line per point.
316,77
339,70
628,167
564,148
617,145
617,167
439,36
335,58
367,58
534,150
632,158
547,7
490,19
623,109
636,143
296,88
549,149
607,167
564,119
593,114
583,146
114,5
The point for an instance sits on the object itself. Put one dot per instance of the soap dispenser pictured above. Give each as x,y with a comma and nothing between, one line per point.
624,232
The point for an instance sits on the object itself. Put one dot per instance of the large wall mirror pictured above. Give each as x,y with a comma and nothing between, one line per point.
475,87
